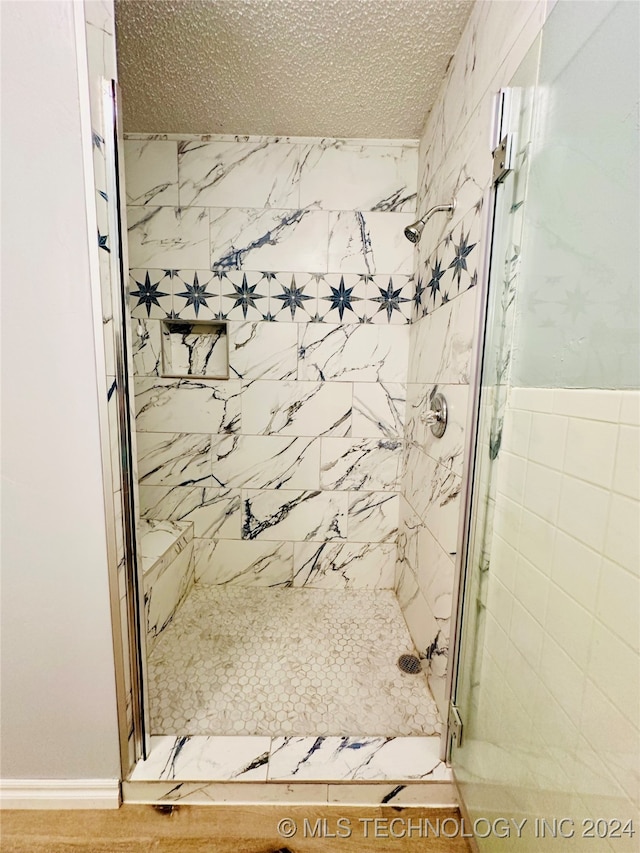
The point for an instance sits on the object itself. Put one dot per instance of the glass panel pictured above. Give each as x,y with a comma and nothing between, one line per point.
548,679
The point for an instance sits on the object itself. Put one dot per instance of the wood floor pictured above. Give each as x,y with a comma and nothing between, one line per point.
229,829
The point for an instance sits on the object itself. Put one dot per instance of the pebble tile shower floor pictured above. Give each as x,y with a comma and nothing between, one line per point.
287,662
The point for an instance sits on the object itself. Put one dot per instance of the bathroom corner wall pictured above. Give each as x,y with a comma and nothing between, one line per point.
454,163
289,469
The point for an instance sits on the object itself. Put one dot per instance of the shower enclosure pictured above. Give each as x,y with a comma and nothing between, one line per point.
297,529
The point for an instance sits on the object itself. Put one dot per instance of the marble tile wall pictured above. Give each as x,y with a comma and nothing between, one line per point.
454,163
290,469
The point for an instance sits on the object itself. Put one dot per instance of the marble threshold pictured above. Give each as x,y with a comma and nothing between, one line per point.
201,769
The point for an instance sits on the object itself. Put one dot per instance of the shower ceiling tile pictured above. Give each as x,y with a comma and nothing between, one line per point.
294,515
265,461
233,174
187,405
244,563
348,565
151,168
256,239
354,68
365,242
296,408
335,176
168,238
353,353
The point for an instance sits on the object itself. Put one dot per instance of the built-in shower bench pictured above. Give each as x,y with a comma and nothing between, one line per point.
168,571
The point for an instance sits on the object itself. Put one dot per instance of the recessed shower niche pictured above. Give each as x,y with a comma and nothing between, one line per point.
197,348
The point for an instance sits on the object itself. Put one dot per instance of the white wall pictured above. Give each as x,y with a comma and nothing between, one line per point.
58,693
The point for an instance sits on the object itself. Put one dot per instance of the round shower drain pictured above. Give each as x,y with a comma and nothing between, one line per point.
410,664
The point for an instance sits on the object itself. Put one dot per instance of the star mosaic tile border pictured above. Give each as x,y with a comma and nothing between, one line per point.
190,294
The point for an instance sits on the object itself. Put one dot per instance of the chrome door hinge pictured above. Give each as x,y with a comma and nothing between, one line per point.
455,725
503,158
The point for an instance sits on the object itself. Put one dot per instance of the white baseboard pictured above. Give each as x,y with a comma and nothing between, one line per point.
59,793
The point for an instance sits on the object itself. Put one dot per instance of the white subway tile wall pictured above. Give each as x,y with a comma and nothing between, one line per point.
569,606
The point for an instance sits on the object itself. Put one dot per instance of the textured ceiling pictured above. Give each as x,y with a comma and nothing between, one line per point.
337,68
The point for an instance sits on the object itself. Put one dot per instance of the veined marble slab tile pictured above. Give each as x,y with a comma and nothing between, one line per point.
345,565
187,405
449,449
189,759
263,350
296,408
235,174
146,347
356,758
441,343
265,461
373,517
358,353
168,238
174,459
358,177
253,239
378,409
195,350
422,625
295,516
244,562
434,492
365,463
204,793
369,243
151,168
157,536
165,590
214,512
417,794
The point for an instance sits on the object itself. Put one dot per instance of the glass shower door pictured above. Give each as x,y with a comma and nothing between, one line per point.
547,677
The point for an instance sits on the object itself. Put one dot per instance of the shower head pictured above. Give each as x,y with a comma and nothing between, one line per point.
414,232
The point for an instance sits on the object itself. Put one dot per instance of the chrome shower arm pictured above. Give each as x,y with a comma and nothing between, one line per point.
414,232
